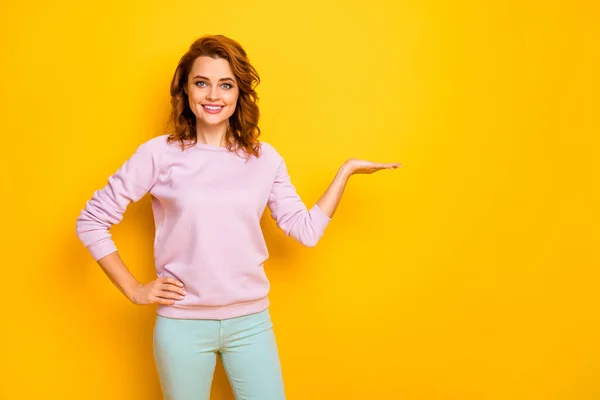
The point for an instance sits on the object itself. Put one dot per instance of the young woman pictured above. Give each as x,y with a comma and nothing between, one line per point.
210,181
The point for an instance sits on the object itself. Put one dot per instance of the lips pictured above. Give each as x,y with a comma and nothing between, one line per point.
212,108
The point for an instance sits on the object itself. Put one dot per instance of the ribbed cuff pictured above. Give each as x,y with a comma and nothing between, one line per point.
102,248
320,219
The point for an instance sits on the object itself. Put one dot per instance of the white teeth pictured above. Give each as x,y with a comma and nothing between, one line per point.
213,107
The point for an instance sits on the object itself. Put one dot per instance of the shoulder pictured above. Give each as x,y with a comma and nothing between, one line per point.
156,143
273,158
151,150
269,151
155,146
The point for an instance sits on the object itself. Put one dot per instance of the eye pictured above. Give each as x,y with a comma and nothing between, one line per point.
227,84
196,83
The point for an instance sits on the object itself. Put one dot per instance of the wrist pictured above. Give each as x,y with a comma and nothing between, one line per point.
346,170
131,291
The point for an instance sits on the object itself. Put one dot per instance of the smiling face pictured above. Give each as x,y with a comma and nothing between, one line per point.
212,91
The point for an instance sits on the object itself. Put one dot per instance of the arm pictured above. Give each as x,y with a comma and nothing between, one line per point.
116,270
161,291
333,195
291,214
106,208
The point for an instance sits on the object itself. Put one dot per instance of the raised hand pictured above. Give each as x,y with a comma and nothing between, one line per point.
331,198
357,166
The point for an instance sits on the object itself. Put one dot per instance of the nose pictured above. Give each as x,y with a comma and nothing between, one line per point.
212,94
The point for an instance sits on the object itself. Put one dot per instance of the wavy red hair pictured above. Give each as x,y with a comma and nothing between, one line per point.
243,131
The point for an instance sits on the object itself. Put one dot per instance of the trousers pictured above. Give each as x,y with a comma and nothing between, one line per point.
185,354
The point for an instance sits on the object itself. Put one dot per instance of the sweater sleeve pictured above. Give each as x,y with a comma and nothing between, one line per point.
106,207
290,212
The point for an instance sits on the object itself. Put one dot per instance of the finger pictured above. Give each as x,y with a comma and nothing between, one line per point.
170,295
388,166
173,288
160,300
379,167
173,281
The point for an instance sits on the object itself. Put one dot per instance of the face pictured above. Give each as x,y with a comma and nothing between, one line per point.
212,91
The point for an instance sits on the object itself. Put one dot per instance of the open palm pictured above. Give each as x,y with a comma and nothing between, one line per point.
357,166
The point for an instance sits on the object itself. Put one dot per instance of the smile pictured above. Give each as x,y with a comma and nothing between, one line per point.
212,109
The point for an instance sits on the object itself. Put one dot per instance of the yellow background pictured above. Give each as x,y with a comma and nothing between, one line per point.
471,272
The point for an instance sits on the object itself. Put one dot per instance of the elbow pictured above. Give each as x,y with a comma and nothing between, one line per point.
84,225
305,231
306,238
79,227
311,243
310,240
82,233
89,228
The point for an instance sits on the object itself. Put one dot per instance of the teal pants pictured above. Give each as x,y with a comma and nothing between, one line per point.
185,352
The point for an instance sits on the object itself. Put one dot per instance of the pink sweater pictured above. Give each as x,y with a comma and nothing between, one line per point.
207,204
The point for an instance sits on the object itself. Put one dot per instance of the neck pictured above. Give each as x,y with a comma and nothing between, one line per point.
213,135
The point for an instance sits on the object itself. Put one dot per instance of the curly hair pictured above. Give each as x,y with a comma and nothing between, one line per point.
243,130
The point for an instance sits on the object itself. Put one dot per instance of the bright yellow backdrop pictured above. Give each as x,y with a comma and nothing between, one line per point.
469,273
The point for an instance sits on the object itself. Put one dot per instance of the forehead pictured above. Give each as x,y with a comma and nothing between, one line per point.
212,68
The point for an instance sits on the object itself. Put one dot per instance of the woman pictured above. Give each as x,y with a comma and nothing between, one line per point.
210,181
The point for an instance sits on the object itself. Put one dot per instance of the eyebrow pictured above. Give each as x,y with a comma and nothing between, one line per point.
222,79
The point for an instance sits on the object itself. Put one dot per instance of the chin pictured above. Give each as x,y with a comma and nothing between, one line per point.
214,122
